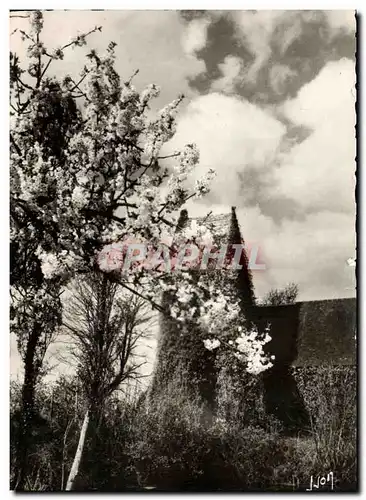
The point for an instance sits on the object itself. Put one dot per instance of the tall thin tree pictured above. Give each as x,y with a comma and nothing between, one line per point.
106,327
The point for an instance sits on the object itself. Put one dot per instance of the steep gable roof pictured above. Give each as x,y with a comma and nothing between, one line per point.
219,225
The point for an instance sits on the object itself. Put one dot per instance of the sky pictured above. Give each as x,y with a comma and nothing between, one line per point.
270,102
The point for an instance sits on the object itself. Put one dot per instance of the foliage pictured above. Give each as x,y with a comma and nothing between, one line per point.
278,297
167,443
330,395
243,278
174,447
60,410
164,461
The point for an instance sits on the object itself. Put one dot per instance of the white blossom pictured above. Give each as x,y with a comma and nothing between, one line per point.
50,264
211,345
250,346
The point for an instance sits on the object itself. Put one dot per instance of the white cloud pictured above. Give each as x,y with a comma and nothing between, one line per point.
256,28
230,69
231,133
194,37
342,20
312,253
330,96
319,173
279,76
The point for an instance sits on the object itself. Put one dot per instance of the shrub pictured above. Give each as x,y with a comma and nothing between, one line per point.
278,297
167,442
175,447
240,401
330,395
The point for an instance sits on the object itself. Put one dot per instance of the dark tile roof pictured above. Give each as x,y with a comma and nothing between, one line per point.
219,223
320,332
327,332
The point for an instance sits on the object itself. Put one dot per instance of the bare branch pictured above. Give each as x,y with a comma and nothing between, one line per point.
17,149
76,86
174,155
46,68
132,77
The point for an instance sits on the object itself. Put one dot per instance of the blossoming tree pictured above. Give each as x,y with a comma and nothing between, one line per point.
85,165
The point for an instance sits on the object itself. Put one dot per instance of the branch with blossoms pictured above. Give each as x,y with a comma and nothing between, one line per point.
114,156
71,170
195,298
247,347
36,52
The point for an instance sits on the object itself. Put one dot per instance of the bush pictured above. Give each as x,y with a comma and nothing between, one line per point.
175,447
168,442
330,395
331,443
240,401
278,297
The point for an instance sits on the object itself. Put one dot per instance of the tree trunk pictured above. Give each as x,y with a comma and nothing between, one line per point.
78,455
25,428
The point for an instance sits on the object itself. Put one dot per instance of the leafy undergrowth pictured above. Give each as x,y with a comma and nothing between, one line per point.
171,441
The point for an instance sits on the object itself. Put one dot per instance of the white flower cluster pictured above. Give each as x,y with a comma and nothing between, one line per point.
185,294
151,92
250,349
202,303
189,156
218,310
211,345
80,196
247,348
197,233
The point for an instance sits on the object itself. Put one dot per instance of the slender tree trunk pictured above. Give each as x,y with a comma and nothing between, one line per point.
25,428
78,455
64,450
